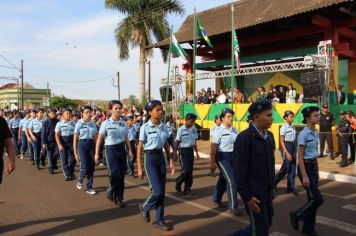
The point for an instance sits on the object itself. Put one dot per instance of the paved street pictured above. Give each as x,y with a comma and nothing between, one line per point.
34,203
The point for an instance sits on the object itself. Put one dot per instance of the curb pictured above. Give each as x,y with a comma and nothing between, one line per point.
322,174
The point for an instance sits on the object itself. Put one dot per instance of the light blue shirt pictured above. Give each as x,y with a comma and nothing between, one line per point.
214,129
225,138
23,123
132,133
14,123
114,132
309,139
35,125
170,128
152,136
65,128
187,136
288,131
85,130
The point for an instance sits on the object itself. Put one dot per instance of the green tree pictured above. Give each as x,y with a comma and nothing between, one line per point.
145,19
62,102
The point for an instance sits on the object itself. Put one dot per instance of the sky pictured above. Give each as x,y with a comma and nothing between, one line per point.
66,42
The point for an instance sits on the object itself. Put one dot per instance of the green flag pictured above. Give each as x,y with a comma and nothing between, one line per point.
177,50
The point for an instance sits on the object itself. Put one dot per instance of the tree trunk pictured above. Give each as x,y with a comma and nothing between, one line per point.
142,74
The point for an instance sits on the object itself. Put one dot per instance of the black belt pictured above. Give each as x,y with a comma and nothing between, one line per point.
187,148
154,151
292,142
311,161
86,140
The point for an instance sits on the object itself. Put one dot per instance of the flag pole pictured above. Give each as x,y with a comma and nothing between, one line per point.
169,67
232,54
194,51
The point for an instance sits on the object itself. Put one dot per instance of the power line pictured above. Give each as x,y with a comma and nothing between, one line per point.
8,61
9,67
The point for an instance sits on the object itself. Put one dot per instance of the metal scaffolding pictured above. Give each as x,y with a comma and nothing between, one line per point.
322,61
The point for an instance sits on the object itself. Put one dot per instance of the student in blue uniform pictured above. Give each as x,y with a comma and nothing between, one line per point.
186,141
33,113
153,138
14,124
216,126
254,169
221,153
288,145
132,133
49,140
308,172
64,138
23,124
35,128
86,132
115,132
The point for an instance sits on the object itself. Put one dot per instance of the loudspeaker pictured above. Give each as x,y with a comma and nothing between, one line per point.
313,83
162,91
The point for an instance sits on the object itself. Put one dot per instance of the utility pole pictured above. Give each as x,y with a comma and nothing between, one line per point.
149,80
22,95
47,89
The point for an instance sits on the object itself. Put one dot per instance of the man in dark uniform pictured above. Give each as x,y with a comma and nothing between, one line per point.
49,141
254,169
344,130
6,143
327,120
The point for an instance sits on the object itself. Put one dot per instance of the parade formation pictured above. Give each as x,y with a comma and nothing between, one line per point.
276,127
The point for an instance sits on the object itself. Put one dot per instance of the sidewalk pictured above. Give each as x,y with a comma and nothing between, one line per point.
328,169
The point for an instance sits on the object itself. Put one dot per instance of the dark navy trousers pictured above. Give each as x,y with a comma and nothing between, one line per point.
67,156
52,151
87,164
24,143
131,163
307,213
36,145
15,140
288,167
116,160
155,168
187,163
226,181
259,222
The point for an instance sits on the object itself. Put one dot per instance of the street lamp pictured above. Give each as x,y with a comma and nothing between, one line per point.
11,78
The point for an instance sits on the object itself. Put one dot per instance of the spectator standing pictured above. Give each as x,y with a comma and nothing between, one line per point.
327,120
221,98
282,95
291,94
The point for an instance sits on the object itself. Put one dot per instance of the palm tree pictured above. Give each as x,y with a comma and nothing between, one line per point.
145,19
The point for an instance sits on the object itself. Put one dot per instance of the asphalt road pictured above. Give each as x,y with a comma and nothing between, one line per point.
32,202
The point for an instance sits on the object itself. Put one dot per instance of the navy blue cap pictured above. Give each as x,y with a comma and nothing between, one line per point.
34,110
53,110
287,113
75,113
217,117
342,112
26,112
225,111
113,102
151,104
190,116
259,106
67,109
308,111
129,117
82,108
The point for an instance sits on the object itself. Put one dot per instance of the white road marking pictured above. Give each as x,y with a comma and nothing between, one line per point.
346,227
196,205
350,207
